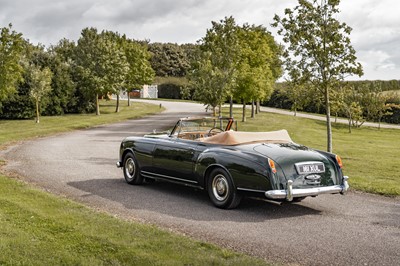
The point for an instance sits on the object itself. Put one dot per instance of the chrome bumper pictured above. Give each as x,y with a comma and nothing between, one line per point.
119,164
291,193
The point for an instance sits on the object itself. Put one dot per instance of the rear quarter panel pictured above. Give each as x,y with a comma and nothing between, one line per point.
247,170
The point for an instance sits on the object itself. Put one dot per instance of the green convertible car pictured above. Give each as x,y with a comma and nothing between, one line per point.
207,153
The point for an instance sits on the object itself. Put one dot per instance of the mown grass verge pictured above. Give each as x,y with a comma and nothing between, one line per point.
41,229
371,156
15,130
38,228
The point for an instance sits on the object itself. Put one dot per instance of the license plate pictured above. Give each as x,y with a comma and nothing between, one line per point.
310,167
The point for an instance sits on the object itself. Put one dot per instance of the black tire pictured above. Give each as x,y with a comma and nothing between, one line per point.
131,170
221,190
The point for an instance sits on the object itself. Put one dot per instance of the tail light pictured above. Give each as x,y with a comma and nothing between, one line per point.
272,165
339,161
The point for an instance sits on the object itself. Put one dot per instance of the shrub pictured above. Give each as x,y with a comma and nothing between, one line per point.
170,87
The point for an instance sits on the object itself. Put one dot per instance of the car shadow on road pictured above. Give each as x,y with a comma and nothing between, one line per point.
186,202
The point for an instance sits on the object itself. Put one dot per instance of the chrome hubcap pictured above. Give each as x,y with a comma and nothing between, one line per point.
220,187
130,168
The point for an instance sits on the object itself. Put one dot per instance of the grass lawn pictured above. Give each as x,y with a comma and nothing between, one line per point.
15,130
41,229
38,228
371,156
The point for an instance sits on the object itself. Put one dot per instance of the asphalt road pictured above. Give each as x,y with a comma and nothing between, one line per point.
356,229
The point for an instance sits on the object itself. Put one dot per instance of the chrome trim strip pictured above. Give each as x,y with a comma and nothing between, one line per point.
291,192
251,190
149,174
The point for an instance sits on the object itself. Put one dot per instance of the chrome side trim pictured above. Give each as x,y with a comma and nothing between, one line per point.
251,190
149,174
291,192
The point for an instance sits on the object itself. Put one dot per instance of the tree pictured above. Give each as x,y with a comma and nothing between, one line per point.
351,106
140,71
19,105
319,48
11,50
62,98
241,62
169,59
375,102
205,78
116,66
88,55
221,47
255,77
299,94
379,107
40,81
101,62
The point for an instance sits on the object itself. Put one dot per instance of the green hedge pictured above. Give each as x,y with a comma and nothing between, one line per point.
170,87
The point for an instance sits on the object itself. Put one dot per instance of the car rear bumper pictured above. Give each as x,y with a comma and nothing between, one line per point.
291,192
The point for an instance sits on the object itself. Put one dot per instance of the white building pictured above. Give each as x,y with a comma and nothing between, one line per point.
149,91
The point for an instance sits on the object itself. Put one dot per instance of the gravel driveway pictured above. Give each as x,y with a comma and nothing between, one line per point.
356,229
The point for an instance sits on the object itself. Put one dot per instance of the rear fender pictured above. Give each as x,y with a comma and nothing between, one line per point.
332,158
245,170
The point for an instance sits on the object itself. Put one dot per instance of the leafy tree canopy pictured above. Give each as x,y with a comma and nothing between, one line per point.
170,59
11,51
318,47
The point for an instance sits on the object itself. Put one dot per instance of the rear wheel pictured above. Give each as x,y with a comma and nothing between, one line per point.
131,170
221,190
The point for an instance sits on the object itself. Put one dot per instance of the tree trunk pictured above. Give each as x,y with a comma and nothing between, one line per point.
214,111
244,111
231,107
129,99
97,105
253,111
220,110
117,107
257,107
349,122
328,119
37,111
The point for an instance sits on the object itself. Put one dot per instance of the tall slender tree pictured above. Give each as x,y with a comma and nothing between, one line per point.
318,47
221,47
116,66
40,80
140,71
205,78
255,76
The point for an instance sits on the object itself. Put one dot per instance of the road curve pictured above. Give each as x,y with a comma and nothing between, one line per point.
356,229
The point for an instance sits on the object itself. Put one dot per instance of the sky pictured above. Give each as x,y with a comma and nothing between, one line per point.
375,35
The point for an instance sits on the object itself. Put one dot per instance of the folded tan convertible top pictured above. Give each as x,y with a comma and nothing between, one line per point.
240,137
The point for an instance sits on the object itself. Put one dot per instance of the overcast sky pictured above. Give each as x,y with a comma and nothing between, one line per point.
375,23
